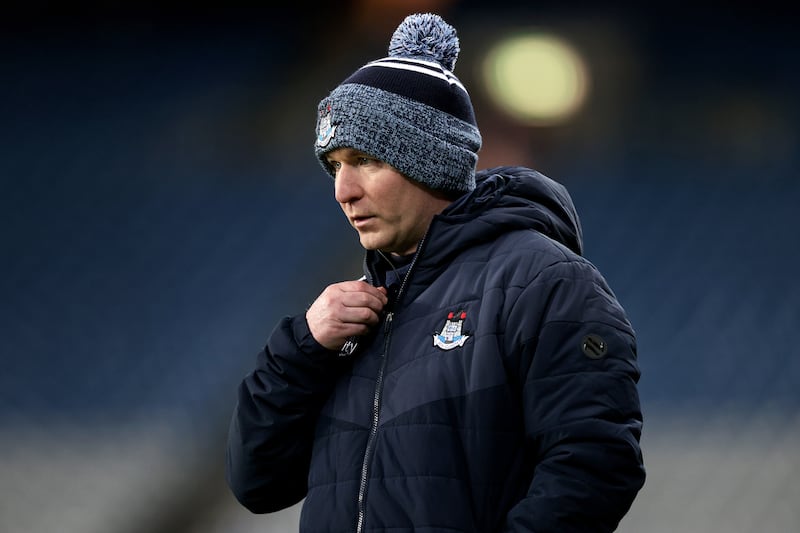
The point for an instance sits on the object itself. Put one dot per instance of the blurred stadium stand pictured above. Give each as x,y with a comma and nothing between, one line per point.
161,209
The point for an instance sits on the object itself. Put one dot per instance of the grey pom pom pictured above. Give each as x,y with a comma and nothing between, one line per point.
426,36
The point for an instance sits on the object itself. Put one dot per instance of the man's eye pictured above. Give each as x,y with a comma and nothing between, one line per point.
364,160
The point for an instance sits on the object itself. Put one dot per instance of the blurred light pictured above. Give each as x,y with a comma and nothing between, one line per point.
537,79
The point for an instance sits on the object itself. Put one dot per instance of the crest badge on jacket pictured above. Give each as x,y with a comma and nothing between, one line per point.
452,334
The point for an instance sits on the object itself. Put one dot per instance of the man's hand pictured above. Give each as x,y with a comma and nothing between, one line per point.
345,309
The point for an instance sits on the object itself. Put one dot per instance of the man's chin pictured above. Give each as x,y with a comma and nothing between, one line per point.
370,244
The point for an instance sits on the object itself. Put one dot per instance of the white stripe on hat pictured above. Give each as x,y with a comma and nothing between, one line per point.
415,65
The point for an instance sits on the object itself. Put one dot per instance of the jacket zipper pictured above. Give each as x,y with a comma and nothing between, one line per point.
376,399
376,408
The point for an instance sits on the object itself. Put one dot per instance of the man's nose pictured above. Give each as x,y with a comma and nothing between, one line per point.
346,185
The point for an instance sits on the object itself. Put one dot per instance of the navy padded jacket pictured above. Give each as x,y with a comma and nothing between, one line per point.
499,394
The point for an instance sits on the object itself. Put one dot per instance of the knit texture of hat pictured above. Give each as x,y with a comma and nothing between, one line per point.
408,109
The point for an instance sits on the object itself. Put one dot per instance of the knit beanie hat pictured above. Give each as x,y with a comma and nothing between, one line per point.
408,109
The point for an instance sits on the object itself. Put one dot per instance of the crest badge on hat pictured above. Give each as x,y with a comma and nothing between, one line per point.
326,130
452,335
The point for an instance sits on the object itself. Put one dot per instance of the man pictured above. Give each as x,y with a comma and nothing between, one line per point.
481,376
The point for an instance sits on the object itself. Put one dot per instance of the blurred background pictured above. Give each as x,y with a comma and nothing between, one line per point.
161,209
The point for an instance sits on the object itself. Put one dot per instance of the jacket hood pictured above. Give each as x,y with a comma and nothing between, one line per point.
511,198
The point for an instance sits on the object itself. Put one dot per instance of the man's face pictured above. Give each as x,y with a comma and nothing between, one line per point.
390,212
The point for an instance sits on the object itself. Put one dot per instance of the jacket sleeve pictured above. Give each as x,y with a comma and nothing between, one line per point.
272,427
583,420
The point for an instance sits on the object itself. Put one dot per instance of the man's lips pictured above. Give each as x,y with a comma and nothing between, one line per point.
359,221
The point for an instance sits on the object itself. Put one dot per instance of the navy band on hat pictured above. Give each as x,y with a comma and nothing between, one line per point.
412,79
